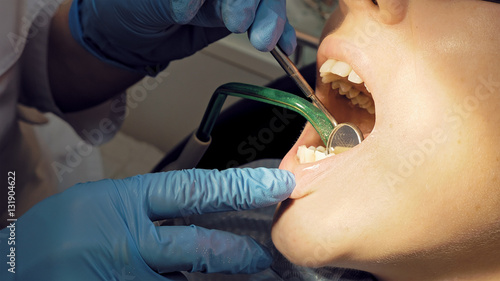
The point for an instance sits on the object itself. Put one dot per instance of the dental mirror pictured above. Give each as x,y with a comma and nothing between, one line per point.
344,136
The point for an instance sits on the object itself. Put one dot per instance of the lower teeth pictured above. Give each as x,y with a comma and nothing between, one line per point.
355,96
313,154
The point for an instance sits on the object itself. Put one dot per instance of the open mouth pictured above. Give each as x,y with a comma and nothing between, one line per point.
348,99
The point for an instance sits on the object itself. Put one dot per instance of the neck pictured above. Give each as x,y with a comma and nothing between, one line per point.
480,262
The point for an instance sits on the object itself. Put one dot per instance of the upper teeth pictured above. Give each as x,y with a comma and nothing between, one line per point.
332,71
341,69
354,78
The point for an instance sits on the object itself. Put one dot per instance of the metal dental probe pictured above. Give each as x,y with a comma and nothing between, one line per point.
293,72
344,134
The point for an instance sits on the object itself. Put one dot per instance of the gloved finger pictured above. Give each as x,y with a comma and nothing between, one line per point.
193,38
268,25
181,12
238,15
197,249
196,191
288,40
235,15
209,15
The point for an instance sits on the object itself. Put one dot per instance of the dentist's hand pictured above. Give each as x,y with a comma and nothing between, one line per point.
104,231
145,35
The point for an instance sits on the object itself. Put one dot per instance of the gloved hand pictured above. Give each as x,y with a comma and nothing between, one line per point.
145,35
104,231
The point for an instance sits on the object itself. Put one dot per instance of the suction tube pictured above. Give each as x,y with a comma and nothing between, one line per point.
318,120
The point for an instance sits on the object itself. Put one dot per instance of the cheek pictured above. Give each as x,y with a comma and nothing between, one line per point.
460,45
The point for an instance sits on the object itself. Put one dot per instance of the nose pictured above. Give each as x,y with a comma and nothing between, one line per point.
386,11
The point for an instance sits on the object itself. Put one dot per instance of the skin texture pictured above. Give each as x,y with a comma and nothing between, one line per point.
419,199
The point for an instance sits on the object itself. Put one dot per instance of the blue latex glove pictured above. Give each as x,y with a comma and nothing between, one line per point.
145,35
104,231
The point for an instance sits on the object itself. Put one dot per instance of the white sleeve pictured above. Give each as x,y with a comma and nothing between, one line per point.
103,120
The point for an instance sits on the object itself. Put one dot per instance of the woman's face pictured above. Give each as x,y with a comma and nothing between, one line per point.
422,187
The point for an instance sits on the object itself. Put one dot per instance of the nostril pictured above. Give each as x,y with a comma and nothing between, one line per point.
391,11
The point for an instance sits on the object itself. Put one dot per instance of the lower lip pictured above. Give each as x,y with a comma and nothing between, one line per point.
303,190
305,174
